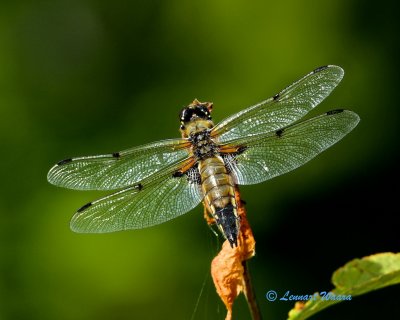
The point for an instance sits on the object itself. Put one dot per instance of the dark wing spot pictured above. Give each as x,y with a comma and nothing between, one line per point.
279,133
276,97
87,205
116,155
64,162
177,174
320,69
139,186
334,111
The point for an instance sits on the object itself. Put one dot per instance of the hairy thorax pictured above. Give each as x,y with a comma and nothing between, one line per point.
203,146
198,133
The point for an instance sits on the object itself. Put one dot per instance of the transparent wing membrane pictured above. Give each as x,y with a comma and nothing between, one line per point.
117,170
153,201
288,106
272,154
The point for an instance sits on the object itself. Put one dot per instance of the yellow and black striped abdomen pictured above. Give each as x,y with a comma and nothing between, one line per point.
219,196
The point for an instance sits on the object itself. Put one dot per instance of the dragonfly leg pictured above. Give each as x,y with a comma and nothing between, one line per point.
227,148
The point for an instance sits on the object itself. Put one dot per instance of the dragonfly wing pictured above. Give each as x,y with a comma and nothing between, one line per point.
155,200
119,169
269,155
284,108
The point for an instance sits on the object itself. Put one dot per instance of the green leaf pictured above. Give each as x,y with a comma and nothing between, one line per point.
357,277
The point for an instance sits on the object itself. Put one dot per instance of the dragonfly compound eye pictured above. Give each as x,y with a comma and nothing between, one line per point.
186,114
202,112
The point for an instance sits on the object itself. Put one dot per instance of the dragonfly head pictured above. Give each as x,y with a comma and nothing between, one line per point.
195,117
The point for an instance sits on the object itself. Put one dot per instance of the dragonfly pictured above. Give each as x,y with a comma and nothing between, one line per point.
162,180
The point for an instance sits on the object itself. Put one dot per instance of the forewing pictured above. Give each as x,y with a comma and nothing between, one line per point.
119,169
284,108
155,200
270,155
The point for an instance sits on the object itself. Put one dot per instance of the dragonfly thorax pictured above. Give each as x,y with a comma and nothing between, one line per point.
202,145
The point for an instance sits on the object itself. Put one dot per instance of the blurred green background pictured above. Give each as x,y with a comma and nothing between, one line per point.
88,77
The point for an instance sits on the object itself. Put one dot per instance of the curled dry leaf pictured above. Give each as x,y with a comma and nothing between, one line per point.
228,267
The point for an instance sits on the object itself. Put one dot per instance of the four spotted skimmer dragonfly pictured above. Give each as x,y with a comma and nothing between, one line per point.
163,180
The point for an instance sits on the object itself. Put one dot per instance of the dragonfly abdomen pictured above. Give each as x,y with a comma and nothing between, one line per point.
219,196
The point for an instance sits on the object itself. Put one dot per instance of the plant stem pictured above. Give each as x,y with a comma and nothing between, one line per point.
248,288
250,294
